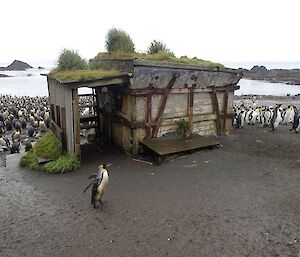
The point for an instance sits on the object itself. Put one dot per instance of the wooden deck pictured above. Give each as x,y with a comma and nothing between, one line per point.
166,146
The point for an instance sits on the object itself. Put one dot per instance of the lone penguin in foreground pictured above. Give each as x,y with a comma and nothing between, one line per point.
100,184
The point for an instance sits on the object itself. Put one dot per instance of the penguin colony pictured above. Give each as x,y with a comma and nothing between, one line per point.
25,119
22,121
267,116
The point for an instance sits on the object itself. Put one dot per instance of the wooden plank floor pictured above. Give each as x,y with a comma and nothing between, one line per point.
163,146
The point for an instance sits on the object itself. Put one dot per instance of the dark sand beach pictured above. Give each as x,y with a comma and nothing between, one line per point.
242,199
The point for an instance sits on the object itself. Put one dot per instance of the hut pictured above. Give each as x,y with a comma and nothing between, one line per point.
146,100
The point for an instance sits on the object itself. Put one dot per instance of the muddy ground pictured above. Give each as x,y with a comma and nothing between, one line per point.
242,199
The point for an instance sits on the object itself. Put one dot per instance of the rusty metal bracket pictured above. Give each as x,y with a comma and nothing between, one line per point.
163,103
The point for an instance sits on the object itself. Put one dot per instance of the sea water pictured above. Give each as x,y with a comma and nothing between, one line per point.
32,82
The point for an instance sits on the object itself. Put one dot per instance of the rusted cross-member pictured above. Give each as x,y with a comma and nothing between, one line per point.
162,107
221,126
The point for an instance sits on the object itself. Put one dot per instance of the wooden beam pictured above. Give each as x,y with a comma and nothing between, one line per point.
191,107
63,127
182,90
76,124
216,111
57,131
163,103
149,115
225,106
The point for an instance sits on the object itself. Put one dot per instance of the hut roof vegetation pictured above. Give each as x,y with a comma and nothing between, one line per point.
160,56
79,75
88,74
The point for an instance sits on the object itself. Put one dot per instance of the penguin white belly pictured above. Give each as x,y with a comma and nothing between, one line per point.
102,187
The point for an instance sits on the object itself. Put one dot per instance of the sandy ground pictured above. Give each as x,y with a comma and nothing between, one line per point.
242,199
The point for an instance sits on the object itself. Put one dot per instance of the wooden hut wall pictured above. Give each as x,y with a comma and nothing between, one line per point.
60,97
203,114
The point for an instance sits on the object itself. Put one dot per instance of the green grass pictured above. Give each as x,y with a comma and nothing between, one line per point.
48,147
70,60
118,40
82,74
63,164
29,160
183,129
160,56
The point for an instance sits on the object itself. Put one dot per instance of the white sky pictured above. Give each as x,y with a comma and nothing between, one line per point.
218,30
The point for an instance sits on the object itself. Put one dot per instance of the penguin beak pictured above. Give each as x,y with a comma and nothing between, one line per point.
108,164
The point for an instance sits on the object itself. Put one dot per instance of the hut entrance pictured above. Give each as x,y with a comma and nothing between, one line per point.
88,117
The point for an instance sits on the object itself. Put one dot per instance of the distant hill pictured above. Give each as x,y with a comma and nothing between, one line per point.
16,65
274,75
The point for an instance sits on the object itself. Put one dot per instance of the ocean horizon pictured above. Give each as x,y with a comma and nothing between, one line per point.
32,83
50,64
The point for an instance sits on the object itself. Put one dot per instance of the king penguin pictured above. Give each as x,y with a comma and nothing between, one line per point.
100,184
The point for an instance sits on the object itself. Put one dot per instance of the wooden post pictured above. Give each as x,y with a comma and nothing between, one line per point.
76,123
63,128
190,107
149,114
57,118
225,106
216,110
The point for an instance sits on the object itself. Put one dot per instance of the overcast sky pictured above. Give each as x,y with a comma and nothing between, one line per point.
219,30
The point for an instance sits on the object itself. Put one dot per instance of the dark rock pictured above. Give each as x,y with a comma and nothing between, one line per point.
16,65
41,68
291,77
4,76
259,69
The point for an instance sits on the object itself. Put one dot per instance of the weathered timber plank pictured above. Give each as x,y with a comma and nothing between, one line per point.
57,131
216,111
170,146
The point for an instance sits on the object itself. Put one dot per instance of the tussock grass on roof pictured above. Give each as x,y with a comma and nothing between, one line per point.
82,74
160,56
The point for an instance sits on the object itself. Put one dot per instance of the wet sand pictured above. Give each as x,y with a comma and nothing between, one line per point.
242,199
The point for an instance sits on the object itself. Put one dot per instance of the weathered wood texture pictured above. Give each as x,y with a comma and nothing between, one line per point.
60,96
146,104
159,77
56,130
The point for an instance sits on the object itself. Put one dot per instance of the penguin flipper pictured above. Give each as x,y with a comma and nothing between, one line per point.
88,186
94,175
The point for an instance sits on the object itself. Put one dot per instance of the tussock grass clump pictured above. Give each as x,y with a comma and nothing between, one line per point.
70,60
48,147
158,46
118,40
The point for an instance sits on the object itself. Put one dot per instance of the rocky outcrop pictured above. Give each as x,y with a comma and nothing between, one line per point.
16,65
274,75
4,76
